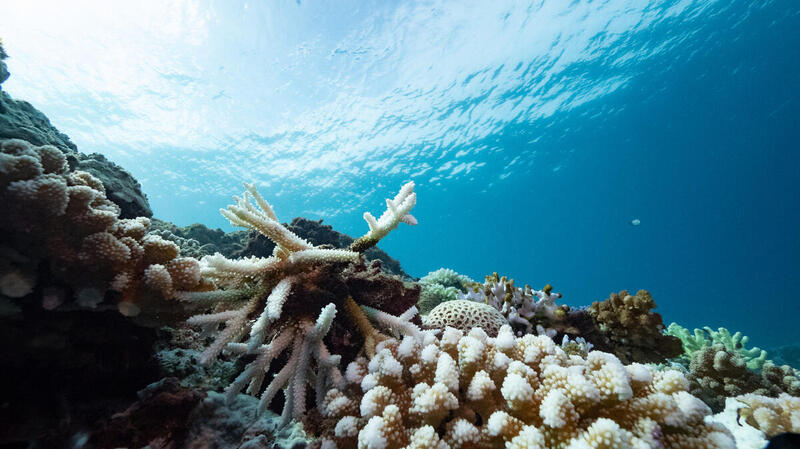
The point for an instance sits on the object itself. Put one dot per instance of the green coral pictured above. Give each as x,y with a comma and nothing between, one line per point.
3,54
439,286
706,337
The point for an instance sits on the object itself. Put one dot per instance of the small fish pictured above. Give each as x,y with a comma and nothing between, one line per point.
635,222
787,440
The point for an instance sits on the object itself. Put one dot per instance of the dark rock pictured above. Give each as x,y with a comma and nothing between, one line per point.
121,187
65,369
20,120
159,416
197,240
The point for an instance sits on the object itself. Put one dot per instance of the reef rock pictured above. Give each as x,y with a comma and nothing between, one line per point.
20,120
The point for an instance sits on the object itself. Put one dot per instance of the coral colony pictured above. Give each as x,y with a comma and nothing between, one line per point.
93,290
264,286
489,365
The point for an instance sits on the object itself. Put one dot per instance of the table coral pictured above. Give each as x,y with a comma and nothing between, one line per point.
634,330
272,303
476,391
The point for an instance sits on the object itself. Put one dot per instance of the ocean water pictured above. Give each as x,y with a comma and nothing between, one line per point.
535,131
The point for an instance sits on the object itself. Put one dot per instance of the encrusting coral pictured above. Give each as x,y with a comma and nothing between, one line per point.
634,330
703,338
272,303
63,233
476,391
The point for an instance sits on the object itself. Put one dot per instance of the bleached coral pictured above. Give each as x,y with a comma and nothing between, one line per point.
465,315
267,305
526,309
771,415
512,392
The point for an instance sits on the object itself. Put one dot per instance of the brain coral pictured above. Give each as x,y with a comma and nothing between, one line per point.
476,391
464,315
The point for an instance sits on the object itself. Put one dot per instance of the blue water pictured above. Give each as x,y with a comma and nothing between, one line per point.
535,131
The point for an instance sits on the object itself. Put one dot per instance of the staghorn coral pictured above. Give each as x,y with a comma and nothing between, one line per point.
703,338
716,373
475,391
271,303
527,310
63,232
633,329
441,285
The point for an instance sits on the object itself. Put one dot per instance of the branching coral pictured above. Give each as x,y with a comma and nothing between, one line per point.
439,286
526,309
270,303
635,331
475,391
717,373
63,221
771,415
706,337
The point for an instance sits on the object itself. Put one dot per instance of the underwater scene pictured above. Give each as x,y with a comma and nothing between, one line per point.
432,224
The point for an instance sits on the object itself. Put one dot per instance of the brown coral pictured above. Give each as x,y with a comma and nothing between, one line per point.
64,219
716,373
635,332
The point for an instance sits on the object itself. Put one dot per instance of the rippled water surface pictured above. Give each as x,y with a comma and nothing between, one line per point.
535,131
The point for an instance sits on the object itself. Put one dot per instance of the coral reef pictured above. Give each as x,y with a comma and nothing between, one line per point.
197,240
168,414
703,338
634,330
465,315
65,237
317,234
20,120
515,392
717,373
771,415
527,310
3,68
272,303
441,285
